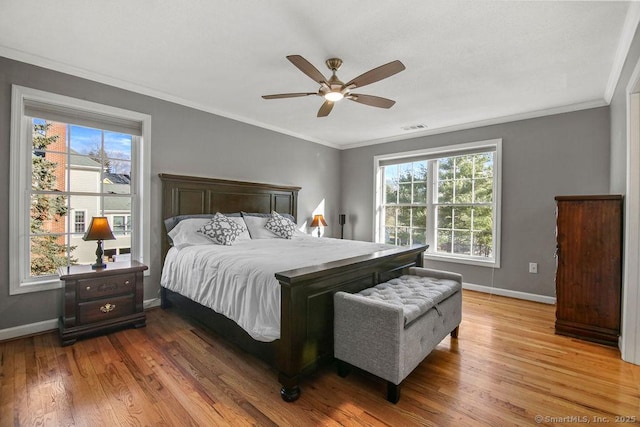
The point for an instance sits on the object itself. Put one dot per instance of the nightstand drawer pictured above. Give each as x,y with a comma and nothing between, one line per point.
98,288
105,309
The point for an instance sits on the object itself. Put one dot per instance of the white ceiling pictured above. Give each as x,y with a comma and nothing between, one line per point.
468,63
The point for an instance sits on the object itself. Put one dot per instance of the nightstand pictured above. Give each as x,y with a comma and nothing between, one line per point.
100,300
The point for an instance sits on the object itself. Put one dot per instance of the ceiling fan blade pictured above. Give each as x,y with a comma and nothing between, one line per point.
379,73
307,68
374,101
288,95
325,109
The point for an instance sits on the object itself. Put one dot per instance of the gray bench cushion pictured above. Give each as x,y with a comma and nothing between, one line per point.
415,294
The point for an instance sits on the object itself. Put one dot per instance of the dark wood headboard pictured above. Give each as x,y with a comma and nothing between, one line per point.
189,195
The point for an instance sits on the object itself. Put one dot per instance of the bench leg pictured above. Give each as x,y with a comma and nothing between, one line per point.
454,333
393,392
343,368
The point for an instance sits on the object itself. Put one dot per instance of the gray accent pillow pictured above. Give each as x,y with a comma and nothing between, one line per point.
222,230
280,225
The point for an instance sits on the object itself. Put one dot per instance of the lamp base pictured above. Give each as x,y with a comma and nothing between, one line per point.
99,252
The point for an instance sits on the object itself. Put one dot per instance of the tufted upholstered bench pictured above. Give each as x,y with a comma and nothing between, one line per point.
389,329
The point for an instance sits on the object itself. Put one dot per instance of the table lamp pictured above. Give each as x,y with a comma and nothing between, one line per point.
318,220
99,230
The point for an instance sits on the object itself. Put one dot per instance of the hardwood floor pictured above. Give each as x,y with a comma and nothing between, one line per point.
506,368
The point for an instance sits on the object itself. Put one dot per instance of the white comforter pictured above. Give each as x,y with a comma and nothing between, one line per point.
238,281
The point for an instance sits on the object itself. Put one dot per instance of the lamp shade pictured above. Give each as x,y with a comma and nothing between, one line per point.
98,229
318,220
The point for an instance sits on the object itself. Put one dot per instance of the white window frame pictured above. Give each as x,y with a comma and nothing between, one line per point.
444,151
20,158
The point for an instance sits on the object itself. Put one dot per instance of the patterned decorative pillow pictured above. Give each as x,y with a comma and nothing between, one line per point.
222,230
280,225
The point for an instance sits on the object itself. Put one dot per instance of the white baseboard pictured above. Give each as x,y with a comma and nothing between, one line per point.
150,303
30,329
508,293
50,325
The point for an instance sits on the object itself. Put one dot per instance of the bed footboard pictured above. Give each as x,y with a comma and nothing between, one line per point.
306,320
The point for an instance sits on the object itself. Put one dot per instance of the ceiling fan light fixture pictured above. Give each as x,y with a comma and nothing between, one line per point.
334,90
333,96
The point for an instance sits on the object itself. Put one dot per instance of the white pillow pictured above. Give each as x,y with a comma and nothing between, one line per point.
222,230
256,224
186,232
280,225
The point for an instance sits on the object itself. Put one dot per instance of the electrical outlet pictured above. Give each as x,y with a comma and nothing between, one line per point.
533,267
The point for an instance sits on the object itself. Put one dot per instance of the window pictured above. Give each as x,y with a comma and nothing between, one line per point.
447,198
121,224
72,160
79,222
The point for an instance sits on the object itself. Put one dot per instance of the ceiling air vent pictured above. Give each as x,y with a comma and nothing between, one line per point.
414,127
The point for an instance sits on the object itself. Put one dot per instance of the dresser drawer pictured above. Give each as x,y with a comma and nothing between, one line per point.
107,286
105,309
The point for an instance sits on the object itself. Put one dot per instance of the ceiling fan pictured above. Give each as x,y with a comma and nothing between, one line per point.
333,90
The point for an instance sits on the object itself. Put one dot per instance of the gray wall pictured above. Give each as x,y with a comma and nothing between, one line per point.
183,141
543,157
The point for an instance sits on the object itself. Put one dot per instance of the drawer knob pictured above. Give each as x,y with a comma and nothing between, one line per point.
88,288
126,282
107,307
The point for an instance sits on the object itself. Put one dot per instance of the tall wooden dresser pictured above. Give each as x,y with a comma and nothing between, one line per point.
589,267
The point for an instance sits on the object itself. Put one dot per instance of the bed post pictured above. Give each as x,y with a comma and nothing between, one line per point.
164,301
289,360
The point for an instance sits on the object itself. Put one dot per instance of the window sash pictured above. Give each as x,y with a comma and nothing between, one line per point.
66,168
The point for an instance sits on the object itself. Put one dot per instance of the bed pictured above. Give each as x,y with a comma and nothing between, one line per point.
305,338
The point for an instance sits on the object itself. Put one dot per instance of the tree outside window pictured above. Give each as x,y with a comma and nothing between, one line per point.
48,246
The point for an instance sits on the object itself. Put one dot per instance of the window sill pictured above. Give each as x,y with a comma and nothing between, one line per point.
462,260
36,286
